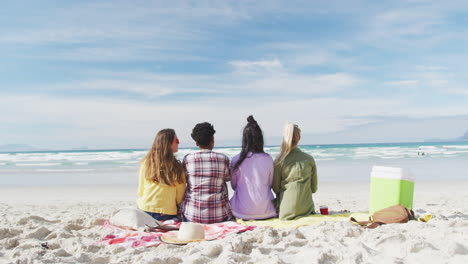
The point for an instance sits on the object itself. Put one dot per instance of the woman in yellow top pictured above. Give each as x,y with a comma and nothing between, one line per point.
162,178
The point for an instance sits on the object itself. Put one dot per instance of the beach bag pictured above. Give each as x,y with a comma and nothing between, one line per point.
389,215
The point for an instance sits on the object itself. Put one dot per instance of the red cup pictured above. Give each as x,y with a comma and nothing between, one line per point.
324,210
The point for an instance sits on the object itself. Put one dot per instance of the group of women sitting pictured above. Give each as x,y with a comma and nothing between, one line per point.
195,189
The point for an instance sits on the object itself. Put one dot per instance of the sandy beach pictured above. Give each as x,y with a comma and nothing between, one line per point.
60,224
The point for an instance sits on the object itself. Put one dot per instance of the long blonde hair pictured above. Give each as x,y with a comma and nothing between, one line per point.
160,164
291,136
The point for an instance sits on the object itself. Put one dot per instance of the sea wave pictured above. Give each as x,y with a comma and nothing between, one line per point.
456,147
65,170
129,159
37,164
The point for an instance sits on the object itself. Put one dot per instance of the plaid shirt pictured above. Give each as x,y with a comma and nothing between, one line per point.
206,199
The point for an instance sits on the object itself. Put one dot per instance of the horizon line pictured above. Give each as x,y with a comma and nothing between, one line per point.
85,149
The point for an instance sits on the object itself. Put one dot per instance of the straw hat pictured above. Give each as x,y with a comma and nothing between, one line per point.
188,232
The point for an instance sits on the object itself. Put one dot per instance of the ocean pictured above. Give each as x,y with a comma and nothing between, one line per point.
335,163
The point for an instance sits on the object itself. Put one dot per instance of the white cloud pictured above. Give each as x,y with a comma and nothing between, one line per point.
257,66
297,84
403,83
458,91
266,84
120,123
144,88
114,123
403,129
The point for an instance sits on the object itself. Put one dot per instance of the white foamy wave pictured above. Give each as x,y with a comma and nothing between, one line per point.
73,156
37,164
456,147
386,152
127,160
64,170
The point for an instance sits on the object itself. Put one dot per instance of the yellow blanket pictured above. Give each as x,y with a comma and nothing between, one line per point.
313,220
298,222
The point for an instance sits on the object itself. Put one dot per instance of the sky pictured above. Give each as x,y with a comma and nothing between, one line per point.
110,74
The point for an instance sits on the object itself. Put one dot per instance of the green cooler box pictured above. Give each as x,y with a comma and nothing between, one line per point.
390,186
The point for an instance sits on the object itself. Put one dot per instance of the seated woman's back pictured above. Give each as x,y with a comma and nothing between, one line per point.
251,183
252,176
295,179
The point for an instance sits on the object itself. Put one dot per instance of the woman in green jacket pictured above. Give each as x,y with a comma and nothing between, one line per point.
295,177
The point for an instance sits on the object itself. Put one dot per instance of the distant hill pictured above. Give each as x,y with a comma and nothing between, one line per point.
16,147
464,137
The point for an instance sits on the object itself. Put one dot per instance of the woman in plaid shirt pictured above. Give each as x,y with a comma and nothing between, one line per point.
206,199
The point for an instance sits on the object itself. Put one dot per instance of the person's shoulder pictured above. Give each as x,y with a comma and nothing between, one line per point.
189,156
219,155
235,158
264,156
306,156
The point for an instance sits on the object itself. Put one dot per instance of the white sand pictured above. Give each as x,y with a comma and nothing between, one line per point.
65,218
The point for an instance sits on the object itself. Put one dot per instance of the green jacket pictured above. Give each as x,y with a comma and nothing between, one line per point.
294,182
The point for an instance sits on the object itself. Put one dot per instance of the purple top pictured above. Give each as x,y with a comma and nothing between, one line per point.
251,183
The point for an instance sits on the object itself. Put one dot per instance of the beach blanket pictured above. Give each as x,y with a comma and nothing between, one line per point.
298,222
131,238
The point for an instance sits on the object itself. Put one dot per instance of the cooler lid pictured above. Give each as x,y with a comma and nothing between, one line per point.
392,173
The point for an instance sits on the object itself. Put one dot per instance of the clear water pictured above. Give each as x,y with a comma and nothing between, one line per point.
348,163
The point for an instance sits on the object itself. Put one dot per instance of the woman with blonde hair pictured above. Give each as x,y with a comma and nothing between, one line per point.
162,178
295,177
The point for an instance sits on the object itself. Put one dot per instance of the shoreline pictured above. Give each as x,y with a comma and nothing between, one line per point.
128,192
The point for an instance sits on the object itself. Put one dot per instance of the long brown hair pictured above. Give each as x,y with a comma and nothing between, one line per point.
291,136
160,164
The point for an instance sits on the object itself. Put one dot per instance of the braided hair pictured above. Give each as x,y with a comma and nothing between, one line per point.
252,141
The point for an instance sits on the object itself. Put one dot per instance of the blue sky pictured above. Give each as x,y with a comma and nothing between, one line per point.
110,74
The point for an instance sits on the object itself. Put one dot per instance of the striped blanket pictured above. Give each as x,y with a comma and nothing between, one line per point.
132,238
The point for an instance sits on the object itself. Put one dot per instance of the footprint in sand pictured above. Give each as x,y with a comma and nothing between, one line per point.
10,243
213,251
62,253
391,240
419,246
39,233
327,258
298,243
459,249
101,260
72,227
8,232
36,219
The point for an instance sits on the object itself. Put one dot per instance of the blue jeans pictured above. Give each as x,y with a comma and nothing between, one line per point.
162,217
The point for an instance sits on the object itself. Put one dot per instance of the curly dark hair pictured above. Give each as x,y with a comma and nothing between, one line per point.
202,133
